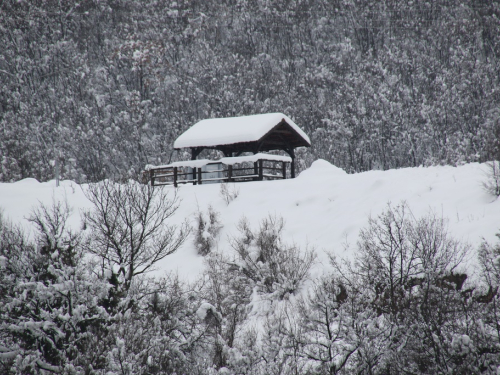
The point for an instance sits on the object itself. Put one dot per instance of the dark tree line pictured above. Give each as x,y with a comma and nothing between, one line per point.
101,88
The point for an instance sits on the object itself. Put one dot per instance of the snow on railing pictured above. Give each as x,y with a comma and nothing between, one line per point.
228,169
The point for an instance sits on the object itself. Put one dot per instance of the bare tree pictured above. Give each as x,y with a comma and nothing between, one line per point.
129,227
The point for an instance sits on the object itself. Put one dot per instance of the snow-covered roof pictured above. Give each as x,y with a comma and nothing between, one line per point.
232,130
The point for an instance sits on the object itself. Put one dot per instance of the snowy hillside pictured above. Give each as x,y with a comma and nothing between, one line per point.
323,207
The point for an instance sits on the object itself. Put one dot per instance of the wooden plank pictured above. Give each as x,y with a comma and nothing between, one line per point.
158,176
273,169
245,176
218,170
216,179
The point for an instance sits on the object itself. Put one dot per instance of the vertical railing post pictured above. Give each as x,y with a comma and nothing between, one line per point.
152,177
261,172
229,172
200,171
283,169
194,175
175,176
255,169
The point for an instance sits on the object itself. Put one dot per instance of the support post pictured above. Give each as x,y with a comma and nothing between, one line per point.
195,151
152,177
291,152
175,176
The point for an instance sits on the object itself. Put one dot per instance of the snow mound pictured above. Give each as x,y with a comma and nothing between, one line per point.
321,166
27,181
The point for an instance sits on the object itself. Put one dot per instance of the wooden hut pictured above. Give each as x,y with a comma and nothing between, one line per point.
235,136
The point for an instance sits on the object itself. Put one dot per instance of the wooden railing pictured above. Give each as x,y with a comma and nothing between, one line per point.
246,171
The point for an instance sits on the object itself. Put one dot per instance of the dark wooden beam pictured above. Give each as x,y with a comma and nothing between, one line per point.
195,151
291,152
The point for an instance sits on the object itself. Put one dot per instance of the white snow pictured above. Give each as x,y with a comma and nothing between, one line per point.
323,207
222,131
203,309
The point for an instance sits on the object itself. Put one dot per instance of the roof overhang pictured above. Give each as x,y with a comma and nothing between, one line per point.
265,132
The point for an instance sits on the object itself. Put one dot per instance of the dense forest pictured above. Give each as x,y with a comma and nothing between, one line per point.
100,88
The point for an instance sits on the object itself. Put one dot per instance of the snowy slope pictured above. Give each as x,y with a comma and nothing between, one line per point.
323,207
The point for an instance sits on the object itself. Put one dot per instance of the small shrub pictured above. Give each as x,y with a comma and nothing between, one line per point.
492,183
229,194
275,267
208,226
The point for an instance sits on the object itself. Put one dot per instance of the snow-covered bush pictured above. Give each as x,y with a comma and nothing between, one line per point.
323,331
487,333
50,317
277,268
492,182
415,302
228,193
207,227
228,296
74,304
159,334
261,266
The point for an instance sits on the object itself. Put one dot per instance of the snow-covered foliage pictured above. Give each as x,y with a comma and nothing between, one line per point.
105,87
207,228
68,310
229,192
492,180
275,268
51,305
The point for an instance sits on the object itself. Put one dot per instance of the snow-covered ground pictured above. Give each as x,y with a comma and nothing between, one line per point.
323,207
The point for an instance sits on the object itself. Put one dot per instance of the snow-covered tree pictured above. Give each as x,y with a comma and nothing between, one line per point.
51,318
